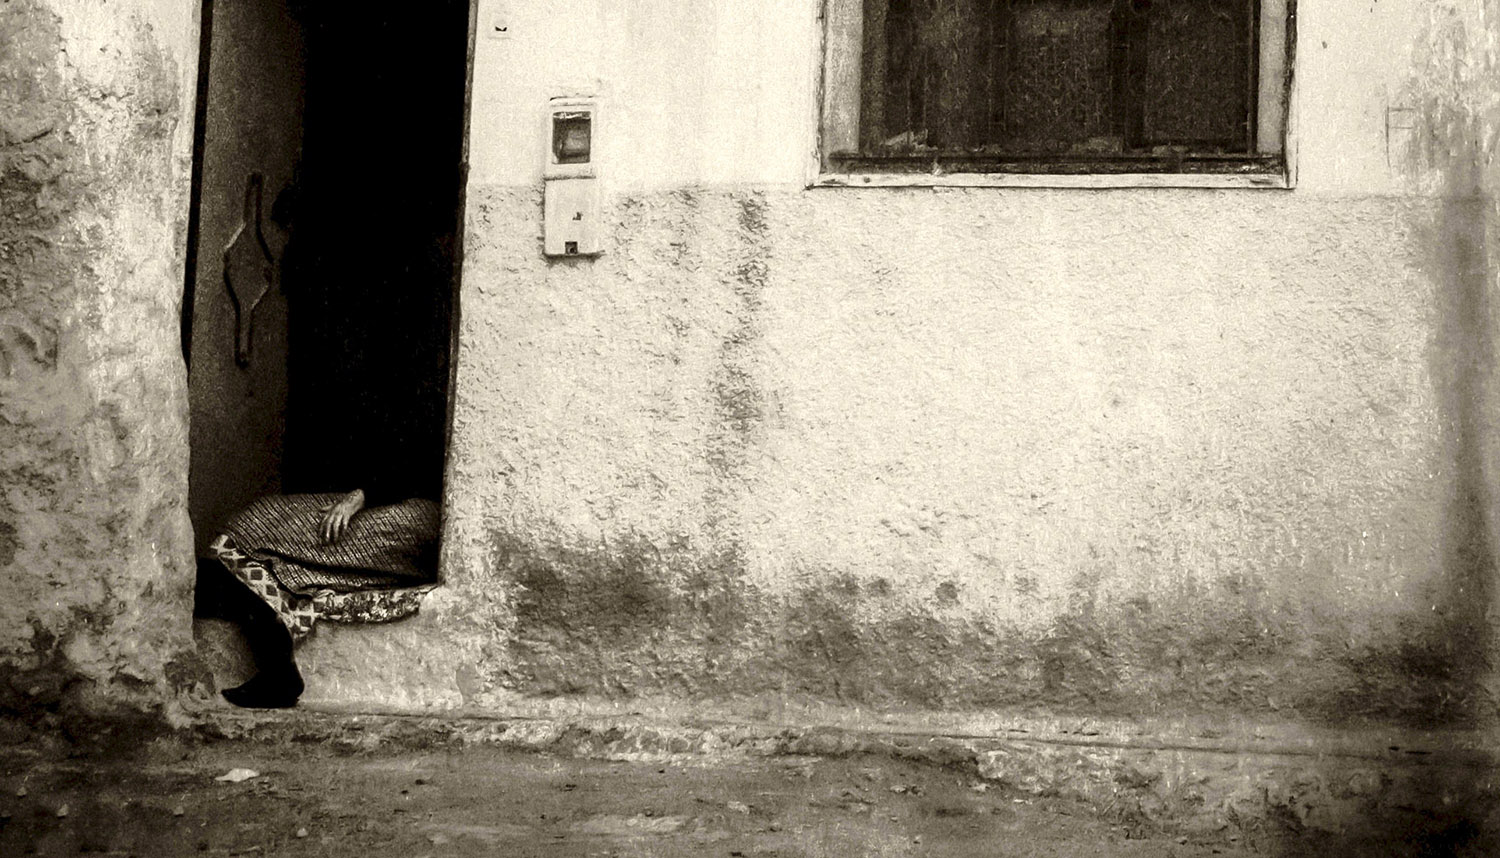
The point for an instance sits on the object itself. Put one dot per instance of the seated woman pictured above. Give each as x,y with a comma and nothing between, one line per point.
367,368
286,561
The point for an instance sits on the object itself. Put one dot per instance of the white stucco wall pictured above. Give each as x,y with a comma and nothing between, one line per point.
1062,448
727,93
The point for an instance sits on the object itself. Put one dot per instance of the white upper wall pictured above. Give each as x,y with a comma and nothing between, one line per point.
690,92
1352,65
706,92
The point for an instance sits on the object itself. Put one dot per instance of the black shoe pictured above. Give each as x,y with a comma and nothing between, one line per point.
269,689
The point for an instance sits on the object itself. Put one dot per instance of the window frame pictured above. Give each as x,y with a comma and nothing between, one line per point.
839,125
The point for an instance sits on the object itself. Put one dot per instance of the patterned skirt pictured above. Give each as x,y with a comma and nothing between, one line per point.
378,573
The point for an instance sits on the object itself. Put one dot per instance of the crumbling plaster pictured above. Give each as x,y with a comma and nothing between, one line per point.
96,119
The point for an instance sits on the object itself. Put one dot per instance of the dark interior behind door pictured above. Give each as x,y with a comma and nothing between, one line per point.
351,114
369,273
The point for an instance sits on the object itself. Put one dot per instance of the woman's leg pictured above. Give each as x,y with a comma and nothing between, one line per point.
217,595
277,683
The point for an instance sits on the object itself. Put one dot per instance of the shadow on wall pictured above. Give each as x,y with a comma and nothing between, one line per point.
1462,637
1458,81
1460,121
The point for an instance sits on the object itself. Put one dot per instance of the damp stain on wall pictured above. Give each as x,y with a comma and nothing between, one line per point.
739,402
633,619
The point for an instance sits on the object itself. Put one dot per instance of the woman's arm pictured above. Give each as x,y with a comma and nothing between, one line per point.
336,516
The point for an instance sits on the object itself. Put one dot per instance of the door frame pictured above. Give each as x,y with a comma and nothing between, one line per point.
191,253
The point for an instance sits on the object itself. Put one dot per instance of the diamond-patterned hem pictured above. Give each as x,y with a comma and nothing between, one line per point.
300,612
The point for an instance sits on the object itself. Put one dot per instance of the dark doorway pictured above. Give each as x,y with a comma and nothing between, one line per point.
369,269
322,249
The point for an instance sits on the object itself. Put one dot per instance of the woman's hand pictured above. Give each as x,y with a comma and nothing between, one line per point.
336,516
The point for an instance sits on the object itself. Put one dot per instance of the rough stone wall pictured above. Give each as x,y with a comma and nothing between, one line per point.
95,548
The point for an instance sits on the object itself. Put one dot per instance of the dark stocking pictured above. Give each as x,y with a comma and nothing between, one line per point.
217,595
277,683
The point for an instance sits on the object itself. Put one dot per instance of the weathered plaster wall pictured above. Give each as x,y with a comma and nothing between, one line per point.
96,552
1453,151
1124,451
1129,472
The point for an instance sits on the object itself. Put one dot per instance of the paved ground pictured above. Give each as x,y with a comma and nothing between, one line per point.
309,799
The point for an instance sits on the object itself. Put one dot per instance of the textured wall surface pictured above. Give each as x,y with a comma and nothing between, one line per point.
95,549
1125,451
1104,452
1181,459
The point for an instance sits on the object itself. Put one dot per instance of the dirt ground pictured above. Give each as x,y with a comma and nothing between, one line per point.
308,799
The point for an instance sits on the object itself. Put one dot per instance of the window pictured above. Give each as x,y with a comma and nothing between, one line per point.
924,88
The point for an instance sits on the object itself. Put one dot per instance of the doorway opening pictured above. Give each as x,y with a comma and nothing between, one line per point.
323,249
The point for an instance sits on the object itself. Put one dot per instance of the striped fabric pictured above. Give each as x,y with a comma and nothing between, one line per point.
384,547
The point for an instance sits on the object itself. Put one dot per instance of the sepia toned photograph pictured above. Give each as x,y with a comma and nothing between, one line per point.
750,428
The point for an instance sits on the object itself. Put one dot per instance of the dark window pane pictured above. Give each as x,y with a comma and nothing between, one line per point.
1057,87
1057,77
1198,74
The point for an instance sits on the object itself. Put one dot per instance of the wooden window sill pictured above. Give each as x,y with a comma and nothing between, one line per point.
1262,181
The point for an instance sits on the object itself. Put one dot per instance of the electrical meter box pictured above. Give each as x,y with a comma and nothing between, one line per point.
570,178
